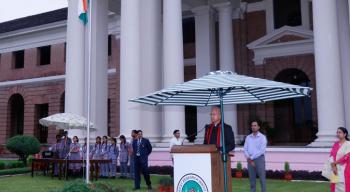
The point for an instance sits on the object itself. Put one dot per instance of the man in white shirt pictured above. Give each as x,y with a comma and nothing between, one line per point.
176,139
254,150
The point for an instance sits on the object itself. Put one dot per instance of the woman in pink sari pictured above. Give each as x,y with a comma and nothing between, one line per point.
340,161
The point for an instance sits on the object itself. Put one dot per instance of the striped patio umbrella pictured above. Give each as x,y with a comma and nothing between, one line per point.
221,88
230,87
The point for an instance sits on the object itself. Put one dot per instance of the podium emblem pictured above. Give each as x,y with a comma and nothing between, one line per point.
191,183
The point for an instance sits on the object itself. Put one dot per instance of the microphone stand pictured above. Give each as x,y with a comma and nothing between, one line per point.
196,133
66,159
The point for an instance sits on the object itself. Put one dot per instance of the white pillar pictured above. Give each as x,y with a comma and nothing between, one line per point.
151,57
129,66
330,107
205,56
174,117
74,83
344,41
227,56
99,66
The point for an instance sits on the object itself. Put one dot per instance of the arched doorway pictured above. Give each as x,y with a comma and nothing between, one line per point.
293,117
16,115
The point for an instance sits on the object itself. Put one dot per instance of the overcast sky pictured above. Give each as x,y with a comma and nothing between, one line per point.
13,9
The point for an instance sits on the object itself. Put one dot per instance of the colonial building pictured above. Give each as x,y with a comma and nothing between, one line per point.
140,46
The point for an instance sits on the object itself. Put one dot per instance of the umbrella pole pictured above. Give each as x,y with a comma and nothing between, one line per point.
222,137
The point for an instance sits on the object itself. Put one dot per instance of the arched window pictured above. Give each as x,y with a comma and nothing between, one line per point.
16,114
293,117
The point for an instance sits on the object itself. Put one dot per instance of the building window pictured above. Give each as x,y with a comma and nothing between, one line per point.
109,45
18,57
44,55
62,102
16,106
287,12
65,51
41,132
189,33
191,122
109,116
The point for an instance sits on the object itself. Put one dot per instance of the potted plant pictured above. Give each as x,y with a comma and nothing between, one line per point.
239,169
166,185
287,173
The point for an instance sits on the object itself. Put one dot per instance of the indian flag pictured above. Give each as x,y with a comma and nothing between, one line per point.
83,9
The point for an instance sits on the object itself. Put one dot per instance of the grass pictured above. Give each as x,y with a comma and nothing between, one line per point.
25,183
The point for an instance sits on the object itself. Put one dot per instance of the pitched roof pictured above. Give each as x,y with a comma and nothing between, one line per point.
34,20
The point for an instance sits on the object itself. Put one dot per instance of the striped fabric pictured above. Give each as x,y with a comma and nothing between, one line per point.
236,89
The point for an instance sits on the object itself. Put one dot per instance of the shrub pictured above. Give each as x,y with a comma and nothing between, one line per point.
239,166
80,186
2,165
166,181
8,165
17,164
23,145
30,159
286,167
75,186
14,171
105,187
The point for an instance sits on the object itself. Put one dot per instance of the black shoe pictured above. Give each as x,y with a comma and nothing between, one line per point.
149,187
135,189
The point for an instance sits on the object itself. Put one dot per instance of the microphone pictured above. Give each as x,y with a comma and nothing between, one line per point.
196,133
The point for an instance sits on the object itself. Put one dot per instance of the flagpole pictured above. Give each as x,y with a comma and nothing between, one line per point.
88,94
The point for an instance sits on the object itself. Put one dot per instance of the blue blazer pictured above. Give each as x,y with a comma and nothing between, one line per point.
145,148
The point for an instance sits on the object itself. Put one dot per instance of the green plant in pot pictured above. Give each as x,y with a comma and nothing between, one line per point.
166,185
287,173
239,170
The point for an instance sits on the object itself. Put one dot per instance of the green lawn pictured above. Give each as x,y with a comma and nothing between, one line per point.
24,183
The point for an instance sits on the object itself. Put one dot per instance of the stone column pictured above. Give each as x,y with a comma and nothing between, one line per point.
205,56
330,105
151,57
227,56
174,117
344,42
99,66
129,66
75,71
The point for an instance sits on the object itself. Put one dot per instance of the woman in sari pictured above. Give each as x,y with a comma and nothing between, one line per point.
340,161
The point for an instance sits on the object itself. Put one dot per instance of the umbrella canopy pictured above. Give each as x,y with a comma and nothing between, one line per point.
65,121
220,88
236,89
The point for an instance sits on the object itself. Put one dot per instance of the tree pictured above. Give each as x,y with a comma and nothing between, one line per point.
23,146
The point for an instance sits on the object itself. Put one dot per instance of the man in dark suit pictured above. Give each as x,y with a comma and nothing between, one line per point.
213,131
142,148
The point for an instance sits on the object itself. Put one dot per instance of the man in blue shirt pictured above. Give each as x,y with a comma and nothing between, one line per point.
142,148
254,151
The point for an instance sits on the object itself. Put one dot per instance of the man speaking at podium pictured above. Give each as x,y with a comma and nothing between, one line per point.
213,131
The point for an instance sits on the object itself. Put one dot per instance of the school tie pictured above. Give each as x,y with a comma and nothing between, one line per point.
138,147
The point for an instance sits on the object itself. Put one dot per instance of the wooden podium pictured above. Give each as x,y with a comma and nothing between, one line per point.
199,167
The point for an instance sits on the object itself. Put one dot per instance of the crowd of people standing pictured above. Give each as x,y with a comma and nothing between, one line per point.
120,153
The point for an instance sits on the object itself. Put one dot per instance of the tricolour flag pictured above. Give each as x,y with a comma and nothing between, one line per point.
83,9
